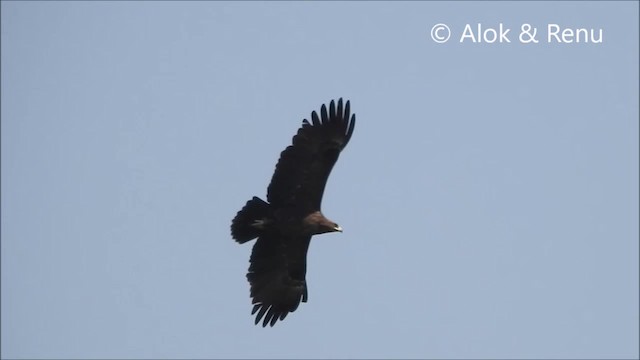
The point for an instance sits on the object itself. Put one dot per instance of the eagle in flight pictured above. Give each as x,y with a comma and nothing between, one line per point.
285,223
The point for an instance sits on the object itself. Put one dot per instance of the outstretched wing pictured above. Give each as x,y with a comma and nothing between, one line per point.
277,277
304,167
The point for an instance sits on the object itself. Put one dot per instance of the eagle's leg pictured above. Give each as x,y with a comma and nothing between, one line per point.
260,224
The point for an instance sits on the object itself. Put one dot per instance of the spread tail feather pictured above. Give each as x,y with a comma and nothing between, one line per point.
248,222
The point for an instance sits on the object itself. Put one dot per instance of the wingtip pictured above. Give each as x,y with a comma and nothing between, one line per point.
323,113
332,110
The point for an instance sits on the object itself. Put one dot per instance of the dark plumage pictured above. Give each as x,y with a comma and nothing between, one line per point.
285,224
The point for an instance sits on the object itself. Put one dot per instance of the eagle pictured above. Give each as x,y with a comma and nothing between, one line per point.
285,223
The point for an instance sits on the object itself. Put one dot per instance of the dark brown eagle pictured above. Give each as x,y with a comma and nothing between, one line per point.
284,225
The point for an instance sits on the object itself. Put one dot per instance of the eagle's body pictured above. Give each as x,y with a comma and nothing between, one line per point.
284,226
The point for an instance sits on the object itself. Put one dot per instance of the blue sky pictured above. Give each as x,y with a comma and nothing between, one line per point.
489,194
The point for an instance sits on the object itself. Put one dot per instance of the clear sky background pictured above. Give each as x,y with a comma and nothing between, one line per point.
489,194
